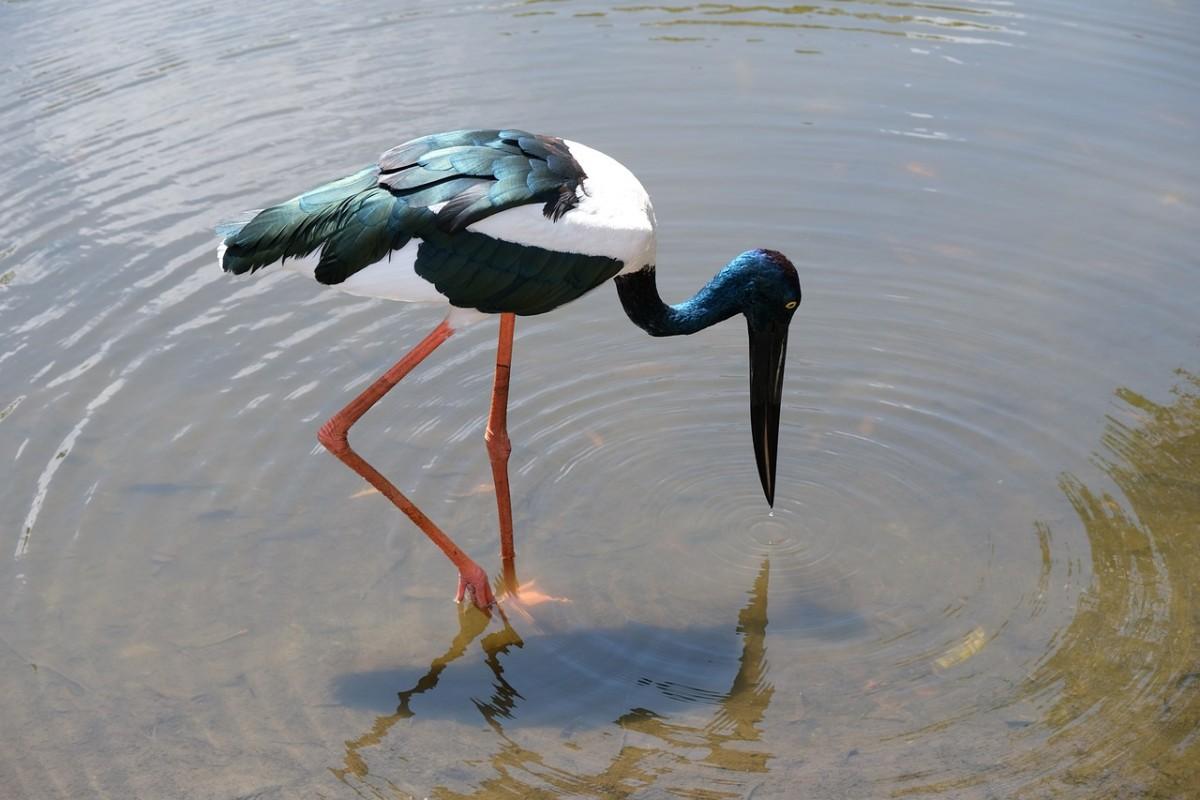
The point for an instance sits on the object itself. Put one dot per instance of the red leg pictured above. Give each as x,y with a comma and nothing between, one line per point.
498,447
334,435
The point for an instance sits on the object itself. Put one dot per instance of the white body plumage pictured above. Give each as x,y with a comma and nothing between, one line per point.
613,218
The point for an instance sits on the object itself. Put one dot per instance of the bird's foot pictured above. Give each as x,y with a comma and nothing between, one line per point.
527,594
474,587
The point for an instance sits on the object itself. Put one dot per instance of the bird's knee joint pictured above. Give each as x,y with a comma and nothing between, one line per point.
333,439
498,444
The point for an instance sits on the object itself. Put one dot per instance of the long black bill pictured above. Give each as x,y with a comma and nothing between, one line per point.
768,347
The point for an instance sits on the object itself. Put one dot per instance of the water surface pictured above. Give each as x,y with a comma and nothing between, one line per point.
979,579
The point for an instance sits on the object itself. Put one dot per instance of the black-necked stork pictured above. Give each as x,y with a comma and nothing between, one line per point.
510,223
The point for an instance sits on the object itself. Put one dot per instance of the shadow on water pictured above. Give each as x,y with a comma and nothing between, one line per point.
585,651
732,725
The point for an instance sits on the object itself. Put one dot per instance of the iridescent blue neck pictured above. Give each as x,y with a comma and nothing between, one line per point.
719,300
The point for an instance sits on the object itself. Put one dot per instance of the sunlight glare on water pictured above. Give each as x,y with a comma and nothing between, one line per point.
979,577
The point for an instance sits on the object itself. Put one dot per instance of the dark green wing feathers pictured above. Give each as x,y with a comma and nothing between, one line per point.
490,170
295,228
363,218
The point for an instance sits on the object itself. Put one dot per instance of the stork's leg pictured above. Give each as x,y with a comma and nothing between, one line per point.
498,447
334,435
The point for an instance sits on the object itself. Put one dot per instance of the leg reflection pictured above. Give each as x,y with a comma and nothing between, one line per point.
655,747
658,746
505,698
471,623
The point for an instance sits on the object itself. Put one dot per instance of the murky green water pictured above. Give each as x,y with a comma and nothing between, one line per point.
980,577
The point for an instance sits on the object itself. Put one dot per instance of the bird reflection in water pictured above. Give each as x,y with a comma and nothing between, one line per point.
652,744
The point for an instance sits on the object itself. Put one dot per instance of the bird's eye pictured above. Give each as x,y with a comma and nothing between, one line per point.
790,305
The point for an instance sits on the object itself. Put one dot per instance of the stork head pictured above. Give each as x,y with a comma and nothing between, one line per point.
770,296
763,286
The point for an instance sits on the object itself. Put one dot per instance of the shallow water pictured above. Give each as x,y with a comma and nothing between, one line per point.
980,576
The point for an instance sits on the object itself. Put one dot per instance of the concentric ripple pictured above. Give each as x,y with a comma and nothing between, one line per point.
978,577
